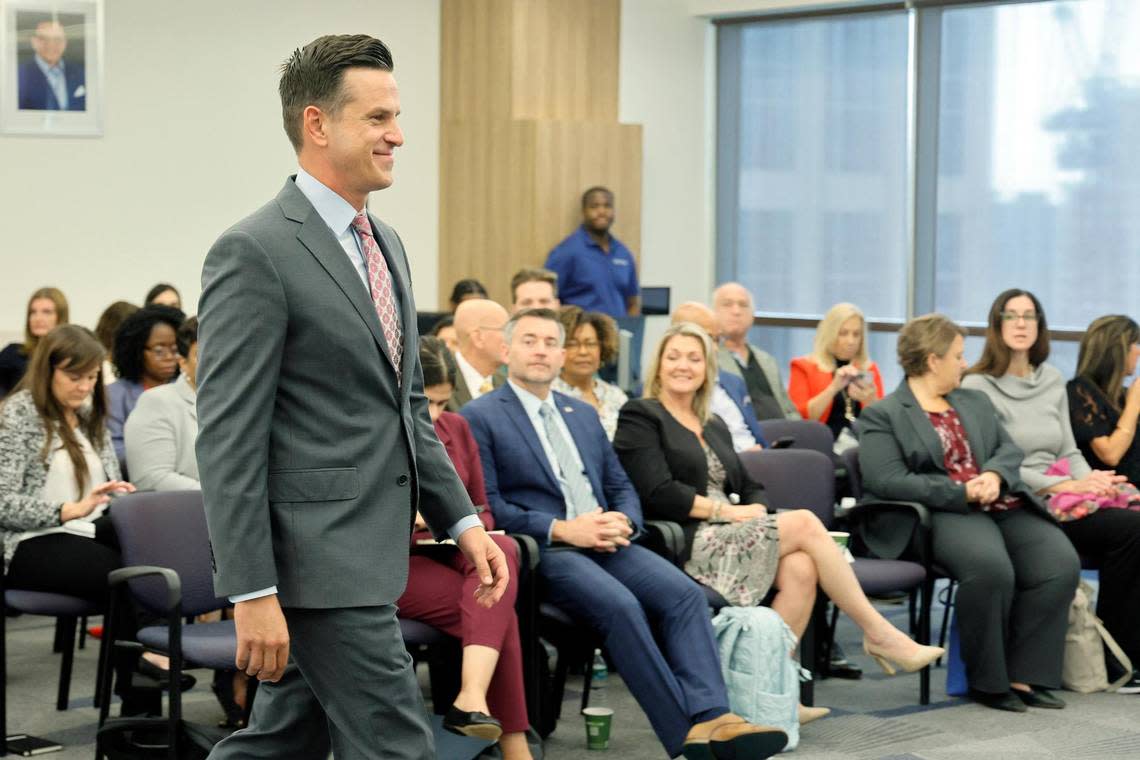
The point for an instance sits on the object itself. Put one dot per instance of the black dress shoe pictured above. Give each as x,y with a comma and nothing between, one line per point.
477,724
156,678
1007,700
1039,697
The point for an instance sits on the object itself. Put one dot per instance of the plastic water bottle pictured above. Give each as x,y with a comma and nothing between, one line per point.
600,673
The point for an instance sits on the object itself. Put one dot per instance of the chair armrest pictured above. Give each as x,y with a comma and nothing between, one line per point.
528,550
893,529
665,538
169,577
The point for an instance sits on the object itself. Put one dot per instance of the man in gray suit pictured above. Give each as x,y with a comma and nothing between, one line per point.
733,306
315,447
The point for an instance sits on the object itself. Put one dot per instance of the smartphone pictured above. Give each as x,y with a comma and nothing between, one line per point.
783,442
865,378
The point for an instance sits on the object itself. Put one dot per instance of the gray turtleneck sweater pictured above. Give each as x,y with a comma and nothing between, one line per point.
1034,410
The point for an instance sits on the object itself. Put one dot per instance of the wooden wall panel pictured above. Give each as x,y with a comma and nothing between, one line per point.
487,200
565,55
475,59
529,92
573,156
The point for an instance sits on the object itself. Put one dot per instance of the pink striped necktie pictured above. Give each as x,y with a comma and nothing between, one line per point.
380,284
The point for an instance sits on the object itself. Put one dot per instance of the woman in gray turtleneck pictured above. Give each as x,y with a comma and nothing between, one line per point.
1032,404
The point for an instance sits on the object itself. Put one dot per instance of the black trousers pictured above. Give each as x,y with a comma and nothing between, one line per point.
1111,537
63,563
1017,574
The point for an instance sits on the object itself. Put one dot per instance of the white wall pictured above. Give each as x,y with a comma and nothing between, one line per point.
667,85
193,142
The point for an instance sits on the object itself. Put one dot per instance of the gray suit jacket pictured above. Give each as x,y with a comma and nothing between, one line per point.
901,456
767,363
159,437
314,456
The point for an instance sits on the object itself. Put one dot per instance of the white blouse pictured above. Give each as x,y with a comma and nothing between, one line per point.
60,485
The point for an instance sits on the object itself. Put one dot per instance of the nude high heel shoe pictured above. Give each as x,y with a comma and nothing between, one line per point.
922,657
808,714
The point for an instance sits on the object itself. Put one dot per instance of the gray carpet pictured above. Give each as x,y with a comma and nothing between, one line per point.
876,718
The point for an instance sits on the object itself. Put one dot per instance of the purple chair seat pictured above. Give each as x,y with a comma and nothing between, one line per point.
878,576
204,645
46,603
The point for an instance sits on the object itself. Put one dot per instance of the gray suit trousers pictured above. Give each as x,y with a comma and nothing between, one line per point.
1017,573
349,687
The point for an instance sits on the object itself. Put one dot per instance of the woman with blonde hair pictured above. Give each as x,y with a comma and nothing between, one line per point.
837,380
1104,413
680,459
47,309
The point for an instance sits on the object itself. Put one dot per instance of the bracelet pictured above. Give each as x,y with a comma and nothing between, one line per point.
714,513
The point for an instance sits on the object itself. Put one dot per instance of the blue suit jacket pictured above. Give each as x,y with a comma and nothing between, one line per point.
522,490
737,390
36,95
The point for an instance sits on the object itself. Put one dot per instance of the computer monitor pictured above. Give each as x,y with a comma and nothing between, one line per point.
655,301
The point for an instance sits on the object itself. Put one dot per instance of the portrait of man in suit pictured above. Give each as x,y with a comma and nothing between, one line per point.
50,79
315,447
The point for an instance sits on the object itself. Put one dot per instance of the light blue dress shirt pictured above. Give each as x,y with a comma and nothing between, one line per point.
532,404
57,80
338,214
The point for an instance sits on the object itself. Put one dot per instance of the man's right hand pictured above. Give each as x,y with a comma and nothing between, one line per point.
597,530
262,638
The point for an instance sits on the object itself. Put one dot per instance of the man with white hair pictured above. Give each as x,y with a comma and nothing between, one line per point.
733,306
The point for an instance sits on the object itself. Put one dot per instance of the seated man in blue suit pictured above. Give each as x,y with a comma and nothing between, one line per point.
47,82
551,473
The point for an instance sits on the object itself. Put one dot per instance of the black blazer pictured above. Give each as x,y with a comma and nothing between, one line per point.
901,456
667,465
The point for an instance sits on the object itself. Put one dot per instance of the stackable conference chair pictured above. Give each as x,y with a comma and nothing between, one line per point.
804,479
167,570
899,530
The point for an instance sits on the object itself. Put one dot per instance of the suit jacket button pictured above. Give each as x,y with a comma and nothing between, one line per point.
402,480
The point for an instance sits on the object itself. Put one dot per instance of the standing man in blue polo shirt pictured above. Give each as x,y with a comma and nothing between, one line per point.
595,270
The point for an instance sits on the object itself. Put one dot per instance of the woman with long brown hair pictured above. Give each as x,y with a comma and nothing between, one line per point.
58,471
1093,506
47,308
1104,413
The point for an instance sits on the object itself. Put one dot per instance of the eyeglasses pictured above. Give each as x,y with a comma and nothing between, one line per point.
163,352
1013,316
589,345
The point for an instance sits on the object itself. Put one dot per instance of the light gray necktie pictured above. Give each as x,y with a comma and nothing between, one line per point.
581,498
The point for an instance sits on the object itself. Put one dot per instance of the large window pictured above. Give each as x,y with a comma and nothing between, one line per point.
995,148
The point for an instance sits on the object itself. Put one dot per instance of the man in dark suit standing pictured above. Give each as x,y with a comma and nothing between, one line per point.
315,446
550,472
47,82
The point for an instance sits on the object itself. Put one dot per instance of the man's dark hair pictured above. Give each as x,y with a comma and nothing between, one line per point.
130,340
313,75
187,336
596,189
465,288
533,274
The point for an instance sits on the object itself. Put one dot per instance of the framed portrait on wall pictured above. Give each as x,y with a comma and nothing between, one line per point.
51,67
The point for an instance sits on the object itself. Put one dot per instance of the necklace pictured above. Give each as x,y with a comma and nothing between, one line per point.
848,406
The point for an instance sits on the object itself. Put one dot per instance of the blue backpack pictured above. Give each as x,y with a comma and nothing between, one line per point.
762,678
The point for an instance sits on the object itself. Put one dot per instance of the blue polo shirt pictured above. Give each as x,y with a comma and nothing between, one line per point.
591,278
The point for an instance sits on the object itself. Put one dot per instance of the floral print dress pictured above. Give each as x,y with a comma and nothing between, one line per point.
738,559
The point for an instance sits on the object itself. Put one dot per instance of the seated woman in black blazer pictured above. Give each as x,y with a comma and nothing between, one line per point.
681,460
940,445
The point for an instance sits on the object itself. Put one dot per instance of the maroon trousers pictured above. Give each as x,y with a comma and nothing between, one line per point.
441,593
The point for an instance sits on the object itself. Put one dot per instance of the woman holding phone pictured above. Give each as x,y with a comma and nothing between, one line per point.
837,380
